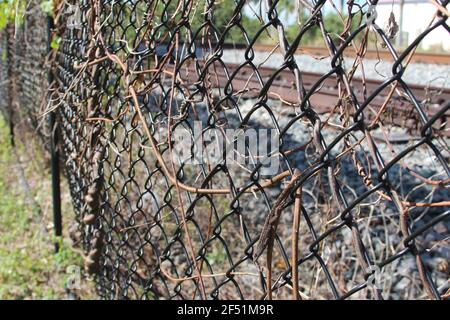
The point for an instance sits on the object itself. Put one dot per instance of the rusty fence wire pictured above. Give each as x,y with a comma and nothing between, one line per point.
351,201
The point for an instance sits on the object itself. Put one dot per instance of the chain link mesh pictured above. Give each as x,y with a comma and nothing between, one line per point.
348,204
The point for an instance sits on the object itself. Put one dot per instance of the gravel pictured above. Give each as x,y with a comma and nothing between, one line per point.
402,273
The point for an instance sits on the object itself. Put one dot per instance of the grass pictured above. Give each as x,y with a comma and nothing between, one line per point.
29,268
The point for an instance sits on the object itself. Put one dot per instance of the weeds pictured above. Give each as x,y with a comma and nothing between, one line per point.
29,268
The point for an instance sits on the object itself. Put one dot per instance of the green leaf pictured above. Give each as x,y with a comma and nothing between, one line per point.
55,43
47,6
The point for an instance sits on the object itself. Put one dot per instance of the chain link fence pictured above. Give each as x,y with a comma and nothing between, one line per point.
24,70
161,131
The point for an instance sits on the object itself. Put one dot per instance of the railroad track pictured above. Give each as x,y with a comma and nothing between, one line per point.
398,111
381,54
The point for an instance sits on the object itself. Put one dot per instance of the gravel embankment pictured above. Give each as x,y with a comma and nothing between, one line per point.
378,220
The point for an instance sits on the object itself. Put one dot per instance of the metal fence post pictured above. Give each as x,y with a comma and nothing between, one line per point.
56,186
10,56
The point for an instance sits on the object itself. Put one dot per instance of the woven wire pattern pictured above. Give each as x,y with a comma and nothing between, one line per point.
129,75
24,68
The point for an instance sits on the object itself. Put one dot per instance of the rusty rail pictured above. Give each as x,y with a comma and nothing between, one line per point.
246,82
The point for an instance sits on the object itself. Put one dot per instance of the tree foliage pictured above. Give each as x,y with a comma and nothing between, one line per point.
10,11
223,16
13,11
